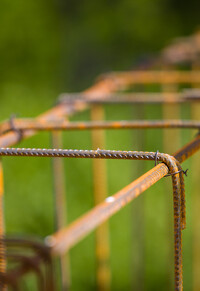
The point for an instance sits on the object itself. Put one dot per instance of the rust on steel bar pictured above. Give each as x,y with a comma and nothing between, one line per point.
61,124
170,111
100,193
107,84
2,230
60,205
66,238
31,261
171,165
188,150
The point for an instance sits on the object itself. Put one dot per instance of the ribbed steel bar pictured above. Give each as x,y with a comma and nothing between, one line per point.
70,153
110,84
171,164
106,85
33,124
66,238
187,151
169,111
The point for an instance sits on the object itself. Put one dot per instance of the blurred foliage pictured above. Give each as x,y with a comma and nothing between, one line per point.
63,45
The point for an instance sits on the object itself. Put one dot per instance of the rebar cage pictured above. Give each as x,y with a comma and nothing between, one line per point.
22,256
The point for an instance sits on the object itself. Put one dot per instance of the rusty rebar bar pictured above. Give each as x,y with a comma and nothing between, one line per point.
66,238
32,124
35,255
109,84
171,164
170,111
106,84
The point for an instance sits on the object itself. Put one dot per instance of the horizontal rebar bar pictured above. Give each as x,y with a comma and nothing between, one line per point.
187,96
33,124
70,153
111,83
154,77
107,84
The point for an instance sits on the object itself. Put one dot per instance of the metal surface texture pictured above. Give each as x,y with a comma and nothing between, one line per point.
104,91
28,256
32,124
66,238
178,190
105,85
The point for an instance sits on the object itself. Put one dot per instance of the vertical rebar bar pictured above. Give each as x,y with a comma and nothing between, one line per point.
169,111
100,193
2,230
60,205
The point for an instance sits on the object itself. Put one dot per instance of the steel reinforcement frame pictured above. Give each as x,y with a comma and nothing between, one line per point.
104,91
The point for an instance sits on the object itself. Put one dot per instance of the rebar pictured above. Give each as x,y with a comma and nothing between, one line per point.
100,93
187,96
32,260
64,239
32,124
170,111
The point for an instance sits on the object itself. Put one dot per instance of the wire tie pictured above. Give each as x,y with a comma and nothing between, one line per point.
185,172
171,174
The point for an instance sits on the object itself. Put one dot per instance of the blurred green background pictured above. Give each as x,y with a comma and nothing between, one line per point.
49,47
